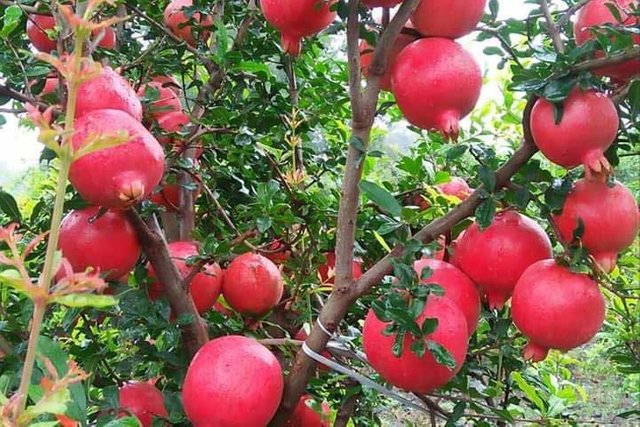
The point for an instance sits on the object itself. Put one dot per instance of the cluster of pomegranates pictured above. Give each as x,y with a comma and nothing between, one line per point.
41,27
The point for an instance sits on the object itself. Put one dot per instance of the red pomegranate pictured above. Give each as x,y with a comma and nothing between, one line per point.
232,381
166,102
327,272
366,57
279,254
205,286
296,19
174,122
108,243
121,175
108,91
436,83
302,335
306,413
252,285
168,81
556,308
178,21
513,241
456,187
142,400
381,3
609,215
108,41
588,126
169,196
445,18
37,27
457,287
50,85
410,372
597,12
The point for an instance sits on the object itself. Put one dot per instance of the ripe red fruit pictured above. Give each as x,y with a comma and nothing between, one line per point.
444,18
169,196
597,12
302,335
514,240
366,57
282,254
457,287
177,21
37,25
588,126
306,414
381,3
173,122
252,285
609,216
109,243
143,400
232,381
456,187
296,19
436,83
108,91
205,286
410,372
556,308
327,271
121,175
167,101
108,41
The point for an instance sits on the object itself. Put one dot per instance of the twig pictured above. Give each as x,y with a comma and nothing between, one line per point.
347,407
27,9
593,64
551,27
567,14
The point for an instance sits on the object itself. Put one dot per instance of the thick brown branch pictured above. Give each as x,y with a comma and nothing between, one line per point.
592,64
155,248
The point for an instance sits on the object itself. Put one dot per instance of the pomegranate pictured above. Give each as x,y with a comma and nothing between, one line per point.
306,413
178,22
252,285
296,19
456,187
436,83
444,18
37,27
556,308
327,272
169,196
381,3
108,41
50,85
167,101
108,243
302,335
588,126
366,57
205,286
232,381
457,287
609,215
121,175
108,91
410,372
279,254
168,81
597,12
142,400
514,240
173,122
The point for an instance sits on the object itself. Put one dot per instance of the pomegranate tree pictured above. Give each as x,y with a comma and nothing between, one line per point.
598,12
587,127
556,308
366,57
171,123
310,413
252,285
121,175
302,335
327,272
410,372
37,27
103,241
445,18
496,257
179,22
608,216
168,196
296,19
166,102
456,285
143,400
436,83
232,381
108,90
205,286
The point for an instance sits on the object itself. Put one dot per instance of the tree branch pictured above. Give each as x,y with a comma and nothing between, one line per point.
348,406
566,16
592,64
551,27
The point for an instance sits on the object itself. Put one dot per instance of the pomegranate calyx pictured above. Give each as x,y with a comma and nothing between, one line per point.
291,44
535,352
449,125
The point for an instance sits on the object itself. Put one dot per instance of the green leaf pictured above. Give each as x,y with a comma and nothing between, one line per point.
456,414
12,278
485,213
418,348
429,326
441,354
398,344
528,390
263,224
85,300
488,178
9,206
381,197
124,422
11,20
